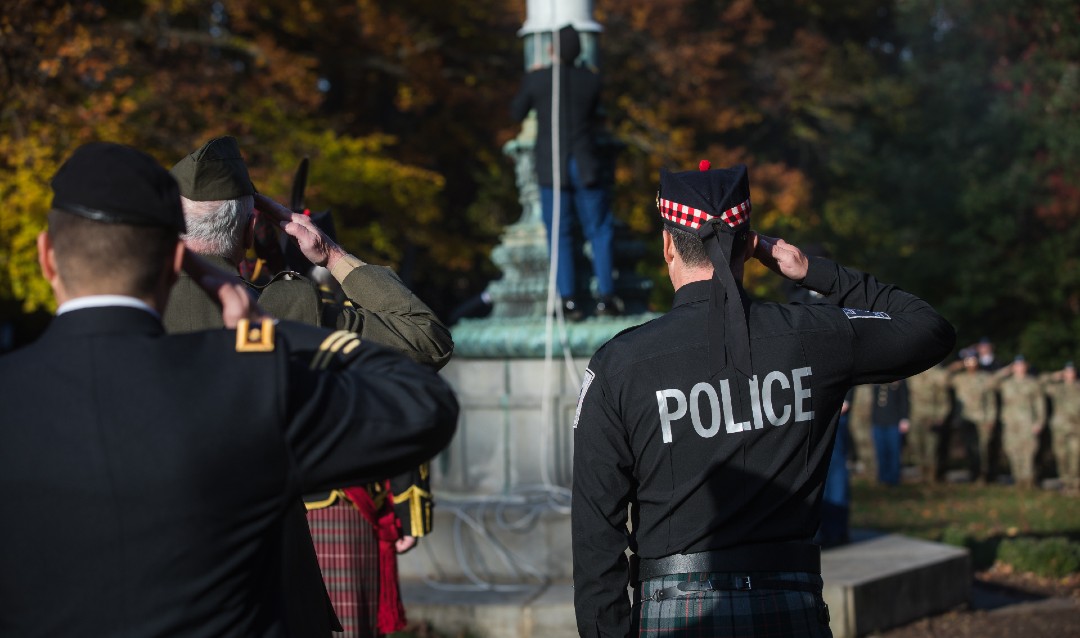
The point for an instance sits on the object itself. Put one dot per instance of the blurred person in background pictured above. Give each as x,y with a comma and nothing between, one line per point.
1023,416
974,414
930,408
1064,391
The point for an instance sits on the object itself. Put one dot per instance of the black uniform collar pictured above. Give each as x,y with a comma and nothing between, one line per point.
699,291
691,292
106,320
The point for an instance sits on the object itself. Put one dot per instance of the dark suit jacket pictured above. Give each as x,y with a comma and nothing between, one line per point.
145,478
579,100
382,310
891,403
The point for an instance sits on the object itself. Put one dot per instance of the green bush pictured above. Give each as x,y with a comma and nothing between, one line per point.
983,550
1053,557
955,536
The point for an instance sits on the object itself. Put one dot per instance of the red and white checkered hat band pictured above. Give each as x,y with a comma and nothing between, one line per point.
686,216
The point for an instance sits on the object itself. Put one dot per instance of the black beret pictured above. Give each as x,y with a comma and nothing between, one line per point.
690,198
214,172
117,184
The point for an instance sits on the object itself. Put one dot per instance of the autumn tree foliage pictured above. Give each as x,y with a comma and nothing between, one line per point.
934,142
165,77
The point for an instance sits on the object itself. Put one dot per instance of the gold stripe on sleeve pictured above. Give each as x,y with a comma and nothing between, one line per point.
329,346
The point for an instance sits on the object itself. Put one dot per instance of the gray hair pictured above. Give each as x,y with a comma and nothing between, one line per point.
217,227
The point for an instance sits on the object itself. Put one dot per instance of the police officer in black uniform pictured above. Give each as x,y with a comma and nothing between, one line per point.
715,424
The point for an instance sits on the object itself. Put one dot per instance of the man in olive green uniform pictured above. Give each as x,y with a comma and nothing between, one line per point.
219,203
974,413
219,198
1064,391
930,407
1023,415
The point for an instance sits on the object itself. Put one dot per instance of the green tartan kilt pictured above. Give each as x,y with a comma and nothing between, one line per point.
760,613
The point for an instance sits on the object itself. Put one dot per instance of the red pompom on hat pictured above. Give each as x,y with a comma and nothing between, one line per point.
704,165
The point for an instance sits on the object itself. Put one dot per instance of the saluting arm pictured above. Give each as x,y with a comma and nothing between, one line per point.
383,309
358,412
909,338
391,315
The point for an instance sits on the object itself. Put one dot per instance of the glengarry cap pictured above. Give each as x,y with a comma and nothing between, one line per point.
714,204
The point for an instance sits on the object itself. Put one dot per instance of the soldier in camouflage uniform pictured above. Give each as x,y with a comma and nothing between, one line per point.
1064,391
1023,415
974,414
930,407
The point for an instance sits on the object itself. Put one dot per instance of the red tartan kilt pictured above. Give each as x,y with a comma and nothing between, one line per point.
348,550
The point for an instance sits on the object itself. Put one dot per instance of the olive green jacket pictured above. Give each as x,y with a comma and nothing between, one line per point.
379,308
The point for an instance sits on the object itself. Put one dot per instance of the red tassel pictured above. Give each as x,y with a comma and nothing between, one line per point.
704,165
391,612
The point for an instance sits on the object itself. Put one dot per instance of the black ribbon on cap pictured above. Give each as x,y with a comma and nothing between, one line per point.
727,324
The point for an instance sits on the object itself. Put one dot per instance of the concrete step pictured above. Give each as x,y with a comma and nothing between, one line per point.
879,582
875,583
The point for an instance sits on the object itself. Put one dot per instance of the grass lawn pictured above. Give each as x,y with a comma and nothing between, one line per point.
977,516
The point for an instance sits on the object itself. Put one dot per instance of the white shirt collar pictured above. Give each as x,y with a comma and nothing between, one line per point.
101,301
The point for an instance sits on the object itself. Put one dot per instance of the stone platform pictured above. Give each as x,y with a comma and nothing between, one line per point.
886,581
875,583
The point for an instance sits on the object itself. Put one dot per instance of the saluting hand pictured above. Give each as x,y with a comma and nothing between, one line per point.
781,257
236,299
316,246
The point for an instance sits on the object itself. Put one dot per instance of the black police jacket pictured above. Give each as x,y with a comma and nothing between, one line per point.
726,462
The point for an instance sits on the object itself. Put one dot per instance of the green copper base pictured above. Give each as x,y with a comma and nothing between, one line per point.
526,337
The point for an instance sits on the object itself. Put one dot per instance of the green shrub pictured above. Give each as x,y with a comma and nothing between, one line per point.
1053,557
955,536
983,550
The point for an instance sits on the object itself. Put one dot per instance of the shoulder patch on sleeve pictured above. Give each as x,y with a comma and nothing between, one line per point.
586,381
854,313
258,338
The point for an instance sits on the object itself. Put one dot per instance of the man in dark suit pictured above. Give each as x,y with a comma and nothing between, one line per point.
579,170
144,488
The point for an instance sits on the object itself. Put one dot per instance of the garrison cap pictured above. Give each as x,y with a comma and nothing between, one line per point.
117,184
214,172
714,204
